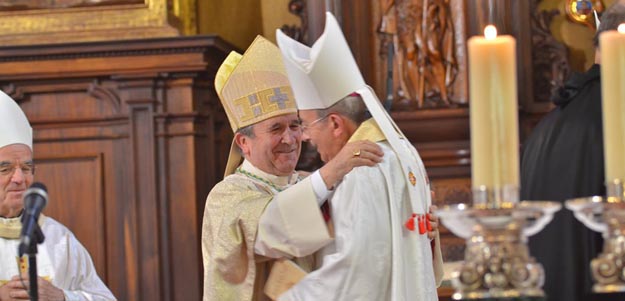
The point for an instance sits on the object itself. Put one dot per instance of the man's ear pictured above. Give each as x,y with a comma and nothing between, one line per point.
337,123
243,142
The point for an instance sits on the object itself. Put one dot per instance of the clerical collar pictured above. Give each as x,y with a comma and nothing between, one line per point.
277,182
11,228
368,130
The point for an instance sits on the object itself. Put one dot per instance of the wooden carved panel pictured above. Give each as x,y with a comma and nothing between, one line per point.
91,96
423,53
75,181
27,22
549,60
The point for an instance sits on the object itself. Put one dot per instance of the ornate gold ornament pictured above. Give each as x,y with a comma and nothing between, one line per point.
49,22
584,11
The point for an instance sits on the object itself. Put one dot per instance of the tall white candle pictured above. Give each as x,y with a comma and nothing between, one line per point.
612,51
493,106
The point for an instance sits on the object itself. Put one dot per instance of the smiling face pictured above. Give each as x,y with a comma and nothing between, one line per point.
327,133
275,146
16,175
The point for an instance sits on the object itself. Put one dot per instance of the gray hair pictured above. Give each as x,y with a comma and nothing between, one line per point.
245,131
610,20
350,106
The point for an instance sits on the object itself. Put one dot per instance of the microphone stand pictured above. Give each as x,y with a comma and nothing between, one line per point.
31,251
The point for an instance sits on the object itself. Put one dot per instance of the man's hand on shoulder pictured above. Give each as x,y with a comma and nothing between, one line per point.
353,154
17,289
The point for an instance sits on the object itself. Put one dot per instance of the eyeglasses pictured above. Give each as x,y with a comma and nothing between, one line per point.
308,126
8,170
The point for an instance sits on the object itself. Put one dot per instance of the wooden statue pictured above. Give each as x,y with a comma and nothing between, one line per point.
424,63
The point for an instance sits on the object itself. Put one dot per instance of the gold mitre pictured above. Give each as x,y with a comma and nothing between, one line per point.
253,87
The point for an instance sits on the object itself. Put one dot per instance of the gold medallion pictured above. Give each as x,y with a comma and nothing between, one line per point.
412,178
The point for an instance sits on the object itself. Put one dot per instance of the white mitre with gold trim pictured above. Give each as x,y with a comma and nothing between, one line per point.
13,123
253,87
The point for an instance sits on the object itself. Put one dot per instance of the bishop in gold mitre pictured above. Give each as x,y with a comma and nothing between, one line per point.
239,242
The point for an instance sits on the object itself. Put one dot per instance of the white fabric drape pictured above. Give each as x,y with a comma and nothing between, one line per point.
366,262
62,260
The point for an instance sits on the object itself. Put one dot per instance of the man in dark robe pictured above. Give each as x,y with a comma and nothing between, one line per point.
563,159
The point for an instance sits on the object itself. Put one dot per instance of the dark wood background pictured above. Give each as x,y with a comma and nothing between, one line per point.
129,139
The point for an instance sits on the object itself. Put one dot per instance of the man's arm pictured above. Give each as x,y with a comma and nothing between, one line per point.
360,265
292,224
81,282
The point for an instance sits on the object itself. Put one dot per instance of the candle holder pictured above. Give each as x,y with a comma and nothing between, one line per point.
497,262
606,215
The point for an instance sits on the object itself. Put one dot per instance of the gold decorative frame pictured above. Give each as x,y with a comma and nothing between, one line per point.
588,19
115,21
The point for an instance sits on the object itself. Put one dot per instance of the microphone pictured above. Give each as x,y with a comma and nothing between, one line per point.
35,199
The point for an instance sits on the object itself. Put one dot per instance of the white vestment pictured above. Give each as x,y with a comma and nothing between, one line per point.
366,261
61,259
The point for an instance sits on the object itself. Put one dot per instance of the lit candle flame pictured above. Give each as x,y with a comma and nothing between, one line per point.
490,32
621,28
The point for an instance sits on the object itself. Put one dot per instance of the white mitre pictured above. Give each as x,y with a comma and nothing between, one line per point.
13,123
323,74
